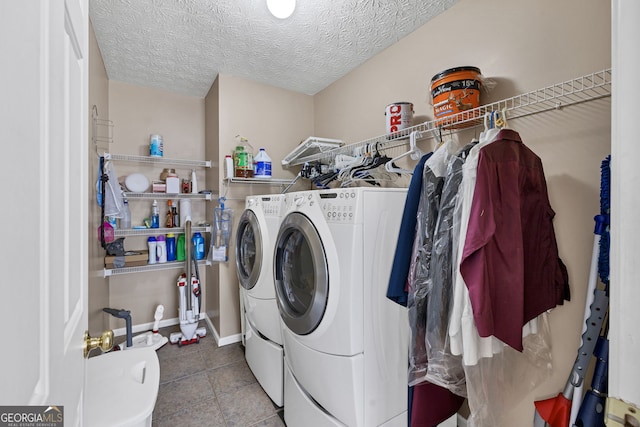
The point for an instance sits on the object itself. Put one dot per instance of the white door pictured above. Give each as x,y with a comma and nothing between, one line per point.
43,170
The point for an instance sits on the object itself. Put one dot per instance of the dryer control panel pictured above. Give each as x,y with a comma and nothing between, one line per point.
339,205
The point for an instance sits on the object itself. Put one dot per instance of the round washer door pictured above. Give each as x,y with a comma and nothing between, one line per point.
248,249
301,274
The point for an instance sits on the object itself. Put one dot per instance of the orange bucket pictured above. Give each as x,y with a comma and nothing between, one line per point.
453,91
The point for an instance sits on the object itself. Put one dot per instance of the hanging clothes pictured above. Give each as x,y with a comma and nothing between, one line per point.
432,403
463,335
497,376
510,259
419,273
428,404
397,288
443,367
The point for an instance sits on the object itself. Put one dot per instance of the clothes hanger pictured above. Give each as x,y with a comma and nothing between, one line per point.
501,120
414,153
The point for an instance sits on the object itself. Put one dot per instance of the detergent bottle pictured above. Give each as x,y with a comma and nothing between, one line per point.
153,245
198,245
262,165
161,249
171,247
180,249
243,159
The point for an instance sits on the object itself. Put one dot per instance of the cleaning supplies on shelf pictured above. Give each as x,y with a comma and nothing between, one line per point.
242,159
161,249
156,146
262,165
180,249
198,245
155,215
176,218
172,184
228,166
171,247
153,244
169,222
194,182
125,221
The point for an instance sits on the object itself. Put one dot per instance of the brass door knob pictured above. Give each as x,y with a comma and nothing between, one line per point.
104,342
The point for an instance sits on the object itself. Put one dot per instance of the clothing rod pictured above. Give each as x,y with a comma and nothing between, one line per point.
571,92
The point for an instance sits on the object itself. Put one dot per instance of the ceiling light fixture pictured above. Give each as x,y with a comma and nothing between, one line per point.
281,9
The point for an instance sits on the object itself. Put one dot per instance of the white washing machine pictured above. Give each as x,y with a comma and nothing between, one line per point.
260,319
345,342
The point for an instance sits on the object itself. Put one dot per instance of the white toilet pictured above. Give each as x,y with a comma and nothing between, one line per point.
121,388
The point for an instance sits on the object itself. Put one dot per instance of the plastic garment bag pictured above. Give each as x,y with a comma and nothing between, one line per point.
113,199
495,385
443,367
419,280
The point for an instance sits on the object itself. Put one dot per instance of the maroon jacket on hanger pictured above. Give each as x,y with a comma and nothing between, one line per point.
510,260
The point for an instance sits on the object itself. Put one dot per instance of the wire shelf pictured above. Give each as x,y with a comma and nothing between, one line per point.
158,160
167,196
582,89
174,265
266,181
129,232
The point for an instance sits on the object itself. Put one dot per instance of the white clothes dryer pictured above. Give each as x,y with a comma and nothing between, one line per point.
346,344
261,330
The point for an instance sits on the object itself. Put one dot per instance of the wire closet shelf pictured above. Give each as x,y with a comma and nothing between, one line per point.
582,89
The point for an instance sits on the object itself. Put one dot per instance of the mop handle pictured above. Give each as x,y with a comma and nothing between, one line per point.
590,336
187,249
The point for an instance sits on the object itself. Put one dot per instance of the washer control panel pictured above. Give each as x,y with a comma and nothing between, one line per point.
339,205
272,205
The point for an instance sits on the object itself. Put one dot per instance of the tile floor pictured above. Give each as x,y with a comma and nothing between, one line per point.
205,385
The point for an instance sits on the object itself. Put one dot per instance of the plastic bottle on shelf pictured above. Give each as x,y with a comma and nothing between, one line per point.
153,244
161,247
155,215
171,247
263,165
125,221
180,249
169,222
198,245
176,218
228,166
242,161
194,182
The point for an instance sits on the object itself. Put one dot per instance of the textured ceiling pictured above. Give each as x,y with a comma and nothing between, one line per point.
182,45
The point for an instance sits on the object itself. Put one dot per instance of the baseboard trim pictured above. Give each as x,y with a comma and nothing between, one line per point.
143,327
222,341
231,339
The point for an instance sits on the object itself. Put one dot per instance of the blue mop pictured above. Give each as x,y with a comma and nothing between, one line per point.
560,411
591,413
